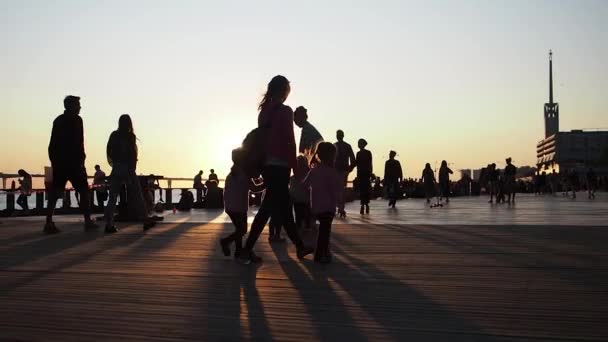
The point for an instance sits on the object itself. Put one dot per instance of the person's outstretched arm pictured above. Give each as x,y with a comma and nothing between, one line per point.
109,150
351,158
53,148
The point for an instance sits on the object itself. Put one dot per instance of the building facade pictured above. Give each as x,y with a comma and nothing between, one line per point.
575,150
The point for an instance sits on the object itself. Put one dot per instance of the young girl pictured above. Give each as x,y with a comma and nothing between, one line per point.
299,193
324,185
364,174
122,156
236,205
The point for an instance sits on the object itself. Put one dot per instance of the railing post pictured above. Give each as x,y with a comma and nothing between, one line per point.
10,201
169,198
39,200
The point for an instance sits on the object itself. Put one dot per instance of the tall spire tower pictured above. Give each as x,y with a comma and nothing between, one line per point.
551,108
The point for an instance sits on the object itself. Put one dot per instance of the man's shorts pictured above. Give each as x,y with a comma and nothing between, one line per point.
77,175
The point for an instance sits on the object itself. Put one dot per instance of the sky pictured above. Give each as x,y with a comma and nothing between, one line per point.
463,81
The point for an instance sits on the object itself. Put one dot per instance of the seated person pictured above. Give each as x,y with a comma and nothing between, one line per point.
186,202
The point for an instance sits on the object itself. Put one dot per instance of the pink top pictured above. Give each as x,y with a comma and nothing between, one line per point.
281,144
325,186
236,193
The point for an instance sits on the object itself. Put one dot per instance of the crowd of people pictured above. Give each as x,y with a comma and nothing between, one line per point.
293,202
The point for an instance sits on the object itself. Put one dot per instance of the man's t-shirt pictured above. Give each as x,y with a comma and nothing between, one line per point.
310,138
66,147
345,157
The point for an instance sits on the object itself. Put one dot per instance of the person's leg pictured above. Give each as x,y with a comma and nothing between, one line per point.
342,193
263,214
271,228
51,203
115,187
239,220
300,212
78,177
20,201
241,225
56,189
324,232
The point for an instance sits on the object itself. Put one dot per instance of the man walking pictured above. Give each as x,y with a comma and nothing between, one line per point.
101,188
310,136
66,152
345,163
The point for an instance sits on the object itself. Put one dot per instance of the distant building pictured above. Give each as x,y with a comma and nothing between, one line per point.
465,173
577,149
476,174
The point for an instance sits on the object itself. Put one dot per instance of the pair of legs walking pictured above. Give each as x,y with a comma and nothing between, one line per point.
77,175
22,202
239,220
365,188
343,177
120,177
276,204
322,253
392,187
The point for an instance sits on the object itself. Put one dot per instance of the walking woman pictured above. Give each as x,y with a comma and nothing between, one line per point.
363,160
280,152
122,156
428,180
444,181
393,175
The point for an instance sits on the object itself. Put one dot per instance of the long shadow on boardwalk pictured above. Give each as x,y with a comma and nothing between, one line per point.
58,244
391,310
540,258
163,239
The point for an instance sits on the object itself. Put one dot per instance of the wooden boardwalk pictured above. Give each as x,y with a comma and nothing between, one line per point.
389,282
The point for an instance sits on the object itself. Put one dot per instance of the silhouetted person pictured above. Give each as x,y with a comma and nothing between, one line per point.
363,161
198,185
444,180
309,137
345,163
510,184
101,188
280,156
324,186
26,190
553,181
66,152
428,182
300,195
213,176
121,152
236,204
393,175
591,178
572,182
186,201
493,182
